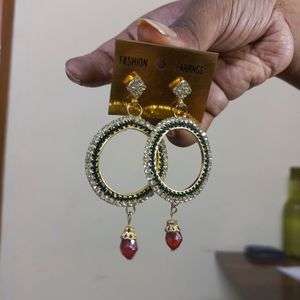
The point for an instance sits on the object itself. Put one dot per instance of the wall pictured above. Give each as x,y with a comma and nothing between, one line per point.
59,241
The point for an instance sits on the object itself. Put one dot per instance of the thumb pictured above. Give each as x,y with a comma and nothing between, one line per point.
157,33
180,34
95,68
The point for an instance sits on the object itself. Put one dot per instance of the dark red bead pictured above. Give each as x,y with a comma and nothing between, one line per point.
128,248
173,239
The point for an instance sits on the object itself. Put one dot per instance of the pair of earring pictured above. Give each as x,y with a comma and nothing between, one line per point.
155,161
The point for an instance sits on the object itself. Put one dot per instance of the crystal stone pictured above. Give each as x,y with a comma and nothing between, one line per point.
173,239
128,247
182,90
136,87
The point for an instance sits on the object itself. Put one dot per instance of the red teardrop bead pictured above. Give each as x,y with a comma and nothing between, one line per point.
173,239
128,248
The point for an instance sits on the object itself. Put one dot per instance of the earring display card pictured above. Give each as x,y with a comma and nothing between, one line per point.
158,66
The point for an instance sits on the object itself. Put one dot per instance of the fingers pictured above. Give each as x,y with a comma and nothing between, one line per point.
183,138
95,68
155,32
216,103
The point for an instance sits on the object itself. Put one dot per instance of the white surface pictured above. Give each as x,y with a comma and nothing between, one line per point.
293,272
59,241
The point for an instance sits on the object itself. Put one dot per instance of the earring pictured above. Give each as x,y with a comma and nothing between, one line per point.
135,87
181,89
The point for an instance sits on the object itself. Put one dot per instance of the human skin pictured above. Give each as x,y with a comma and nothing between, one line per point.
255,39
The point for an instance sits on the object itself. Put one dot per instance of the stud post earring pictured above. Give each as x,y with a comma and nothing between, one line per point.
135,86
181,89
133,121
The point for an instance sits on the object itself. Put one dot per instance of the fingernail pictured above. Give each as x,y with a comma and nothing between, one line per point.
72,77
171,134
157,26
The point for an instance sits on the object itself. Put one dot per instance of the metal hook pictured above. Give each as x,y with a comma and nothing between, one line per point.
130,210
174,210
134,105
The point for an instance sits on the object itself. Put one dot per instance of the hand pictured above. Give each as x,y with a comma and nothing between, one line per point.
253,38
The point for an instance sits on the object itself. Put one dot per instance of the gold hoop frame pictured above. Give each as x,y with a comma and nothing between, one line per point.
93,170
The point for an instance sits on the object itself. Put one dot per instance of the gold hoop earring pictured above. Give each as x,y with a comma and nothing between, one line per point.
136,87
181,89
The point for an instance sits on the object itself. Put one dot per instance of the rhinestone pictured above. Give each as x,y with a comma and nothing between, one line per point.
182,90
136,87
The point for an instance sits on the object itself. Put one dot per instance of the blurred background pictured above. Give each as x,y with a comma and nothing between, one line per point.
59,241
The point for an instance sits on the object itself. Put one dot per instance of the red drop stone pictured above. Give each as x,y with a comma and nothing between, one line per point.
128,248
173,239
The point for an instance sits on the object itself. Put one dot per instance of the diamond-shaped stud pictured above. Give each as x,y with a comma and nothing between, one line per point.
182,89
136,87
